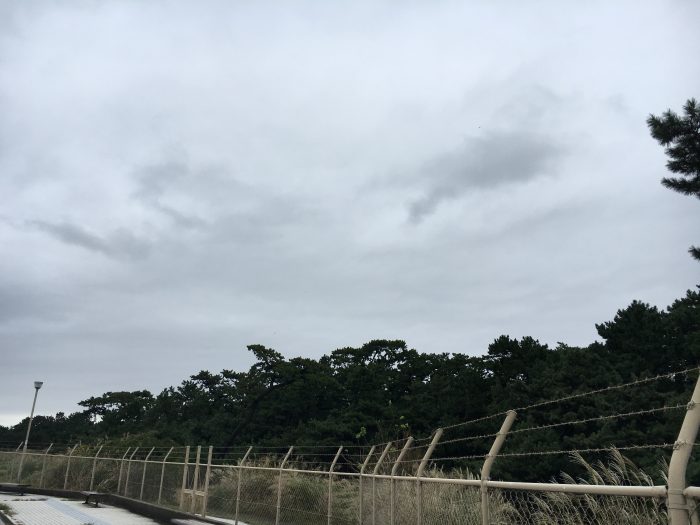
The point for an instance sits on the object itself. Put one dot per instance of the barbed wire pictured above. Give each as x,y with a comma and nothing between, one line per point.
447,458
232,447
468,438
584,450
544,452
598,418
609,388
477,420
533,453
418,447
559,424
332,446
574,396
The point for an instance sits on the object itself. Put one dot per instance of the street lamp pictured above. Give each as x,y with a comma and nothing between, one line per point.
37,386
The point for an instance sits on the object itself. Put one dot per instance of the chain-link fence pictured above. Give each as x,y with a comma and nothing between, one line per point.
560,508
263,492
450,504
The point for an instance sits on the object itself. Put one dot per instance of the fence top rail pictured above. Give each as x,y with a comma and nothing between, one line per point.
693,492
650,491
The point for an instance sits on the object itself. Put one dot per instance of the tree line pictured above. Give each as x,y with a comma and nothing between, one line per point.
385,390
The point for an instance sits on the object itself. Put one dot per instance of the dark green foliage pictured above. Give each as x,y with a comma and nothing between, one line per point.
385,390
119,410
49,429
680,135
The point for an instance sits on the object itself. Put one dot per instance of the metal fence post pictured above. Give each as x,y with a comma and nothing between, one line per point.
374,481
206,482
238,486
21,459
362,476
392,482
14,460
279,487
143,473
421,469
330,485
43,467
185,471
162,475
128,472
195,480
678,508
65,481
121,470
488,463
94,465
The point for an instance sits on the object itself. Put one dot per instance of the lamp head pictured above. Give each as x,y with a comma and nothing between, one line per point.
37,384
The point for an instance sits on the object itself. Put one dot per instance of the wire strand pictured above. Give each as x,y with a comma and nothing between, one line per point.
598,418
608,389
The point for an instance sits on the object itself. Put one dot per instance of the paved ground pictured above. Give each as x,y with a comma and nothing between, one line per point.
41,510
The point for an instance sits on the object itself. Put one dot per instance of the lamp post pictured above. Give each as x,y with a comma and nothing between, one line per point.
37,386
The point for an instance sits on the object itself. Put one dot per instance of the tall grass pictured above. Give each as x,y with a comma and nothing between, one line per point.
304,498
555,508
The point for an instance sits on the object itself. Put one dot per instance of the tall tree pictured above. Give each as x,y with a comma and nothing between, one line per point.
680,135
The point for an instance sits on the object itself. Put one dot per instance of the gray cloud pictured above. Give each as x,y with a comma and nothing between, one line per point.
484,163
180,219
121,243
153,183
233,211
71,234
20,302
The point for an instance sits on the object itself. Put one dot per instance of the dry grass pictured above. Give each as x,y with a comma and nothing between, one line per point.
305,496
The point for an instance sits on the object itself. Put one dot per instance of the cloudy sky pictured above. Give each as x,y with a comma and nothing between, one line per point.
180,179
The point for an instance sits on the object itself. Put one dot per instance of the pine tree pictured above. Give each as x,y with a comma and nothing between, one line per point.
680,135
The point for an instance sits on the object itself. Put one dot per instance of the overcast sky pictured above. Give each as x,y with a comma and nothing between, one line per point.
181,179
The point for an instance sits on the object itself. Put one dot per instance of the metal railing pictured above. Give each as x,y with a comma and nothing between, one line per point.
389,483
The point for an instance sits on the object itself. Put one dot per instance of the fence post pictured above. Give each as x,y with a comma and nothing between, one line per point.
22,456
65,481
392,482
421,469
374,481
43,467
279,487
195,480
362,476
143,473
162,475
330,484
121,470
238,486
15,458
128,472
678,509
94,465
185,471
488,463
206,483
